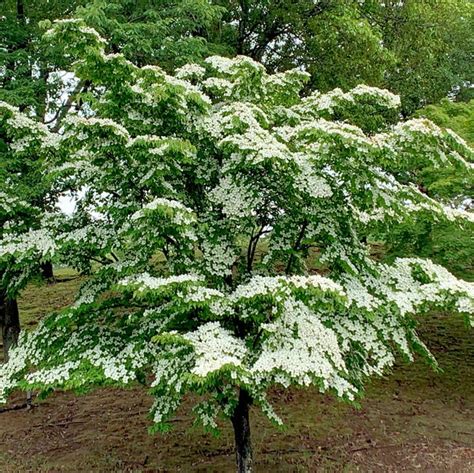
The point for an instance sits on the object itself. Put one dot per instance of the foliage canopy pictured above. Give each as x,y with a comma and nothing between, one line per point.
178,179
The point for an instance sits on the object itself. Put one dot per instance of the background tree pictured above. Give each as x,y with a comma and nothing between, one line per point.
420,50
196,168
165,32
458,116
332,40
23,144
432,43
31,78
446,244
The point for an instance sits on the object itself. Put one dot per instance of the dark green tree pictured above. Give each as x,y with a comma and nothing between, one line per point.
432,42
458,116
30,78
421,50
331,39
169,33
446,244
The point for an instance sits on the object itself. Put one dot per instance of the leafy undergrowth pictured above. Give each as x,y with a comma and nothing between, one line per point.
414,419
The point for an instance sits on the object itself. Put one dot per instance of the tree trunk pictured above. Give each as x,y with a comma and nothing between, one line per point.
20,11
9,322
47,270
243,444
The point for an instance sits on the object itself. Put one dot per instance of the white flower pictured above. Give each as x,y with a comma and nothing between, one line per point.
215,347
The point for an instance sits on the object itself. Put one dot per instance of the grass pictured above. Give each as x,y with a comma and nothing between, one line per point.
39,298
414,419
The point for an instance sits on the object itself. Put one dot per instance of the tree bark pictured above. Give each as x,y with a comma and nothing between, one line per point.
9,323
296,247
20,10
241,424
47,270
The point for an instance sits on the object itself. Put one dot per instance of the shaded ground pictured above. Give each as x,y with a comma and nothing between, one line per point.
412,420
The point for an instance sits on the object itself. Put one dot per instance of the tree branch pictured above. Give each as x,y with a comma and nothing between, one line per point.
64,109
253,247
296,247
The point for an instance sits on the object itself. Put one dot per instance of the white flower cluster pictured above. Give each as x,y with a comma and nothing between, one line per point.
202,294
373,339
310,131
300,349
406,131
436,286
56,375
9,202
218,86
457,213
145,282
36,132
236,199
257,146
188,89
59,24
17,363
207,413
87,30
282,285
116,128
286,79
189,71
308,180
232,118
214,348
220,64
219,255
120,365
182,215
168,367
317,102
40,241
382,96
359,295
98,234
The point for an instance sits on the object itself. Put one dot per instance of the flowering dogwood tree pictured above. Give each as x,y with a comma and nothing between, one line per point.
23,195
200,195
